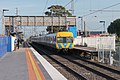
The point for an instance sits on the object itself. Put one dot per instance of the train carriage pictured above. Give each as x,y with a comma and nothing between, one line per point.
59,40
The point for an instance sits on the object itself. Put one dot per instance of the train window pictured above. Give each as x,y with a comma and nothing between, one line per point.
54,38
69,39
64,40
59,40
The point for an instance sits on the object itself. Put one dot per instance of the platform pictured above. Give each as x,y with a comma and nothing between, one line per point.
27,64
87,49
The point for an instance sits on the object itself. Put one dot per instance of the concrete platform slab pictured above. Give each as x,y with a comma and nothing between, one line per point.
13,66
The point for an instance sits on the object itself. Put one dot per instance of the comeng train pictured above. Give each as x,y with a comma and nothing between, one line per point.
59,40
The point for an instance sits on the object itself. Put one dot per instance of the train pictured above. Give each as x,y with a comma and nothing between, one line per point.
58,41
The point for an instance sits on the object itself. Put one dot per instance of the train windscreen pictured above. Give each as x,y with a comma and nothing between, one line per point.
64,40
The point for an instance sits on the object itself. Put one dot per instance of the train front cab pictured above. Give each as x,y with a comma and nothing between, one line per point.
64,40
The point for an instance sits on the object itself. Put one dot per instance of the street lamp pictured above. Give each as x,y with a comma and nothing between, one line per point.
3,26
81,23
82,27
82,42
103,25
5,10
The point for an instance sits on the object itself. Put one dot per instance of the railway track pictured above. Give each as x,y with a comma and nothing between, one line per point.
108,68
75,68
109,74
70,73
82,69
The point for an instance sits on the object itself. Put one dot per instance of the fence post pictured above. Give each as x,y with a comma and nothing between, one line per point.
111,57
119,54
103,51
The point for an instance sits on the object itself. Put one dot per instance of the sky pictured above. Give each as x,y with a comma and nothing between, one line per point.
81,8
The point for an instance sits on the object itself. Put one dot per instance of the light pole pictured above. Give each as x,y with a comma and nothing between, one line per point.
103,26
82,42
81,24
3,26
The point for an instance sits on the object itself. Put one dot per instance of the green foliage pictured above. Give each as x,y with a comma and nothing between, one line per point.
114,27
56,10
55,29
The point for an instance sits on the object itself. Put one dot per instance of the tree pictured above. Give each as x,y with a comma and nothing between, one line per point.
55,29
56,10
114,27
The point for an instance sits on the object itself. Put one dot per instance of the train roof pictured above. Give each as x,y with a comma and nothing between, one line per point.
64,34
60,34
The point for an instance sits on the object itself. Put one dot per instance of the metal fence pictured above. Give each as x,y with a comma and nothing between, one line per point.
3,45
117,56
109,57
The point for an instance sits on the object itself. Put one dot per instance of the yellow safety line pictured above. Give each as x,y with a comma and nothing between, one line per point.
34,67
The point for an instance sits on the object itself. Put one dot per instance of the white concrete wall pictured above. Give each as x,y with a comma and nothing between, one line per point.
78,40
97,42
12,42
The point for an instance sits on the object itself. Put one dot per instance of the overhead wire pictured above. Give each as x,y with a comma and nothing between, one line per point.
68,3
45,6
108,10
95,28
64,6
100,10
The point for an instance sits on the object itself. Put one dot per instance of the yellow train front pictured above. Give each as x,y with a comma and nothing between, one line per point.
64,40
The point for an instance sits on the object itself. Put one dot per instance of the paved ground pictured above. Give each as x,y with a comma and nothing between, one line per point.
13,66
24,64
